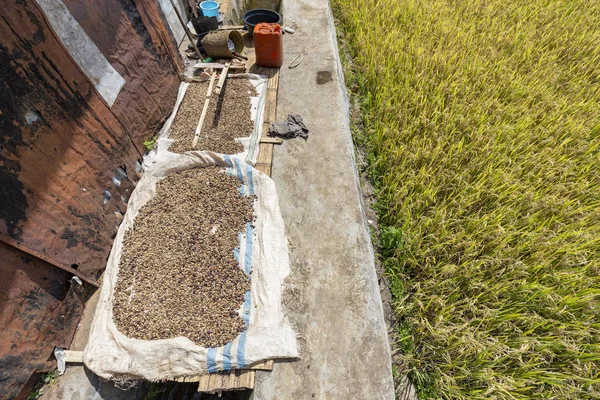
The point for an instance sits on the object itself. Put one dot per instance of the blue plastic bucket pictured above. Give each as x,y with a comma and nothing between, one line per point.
210,8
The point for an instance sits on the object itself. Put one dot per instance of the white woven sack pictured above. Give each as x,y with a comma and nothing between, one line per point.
263,250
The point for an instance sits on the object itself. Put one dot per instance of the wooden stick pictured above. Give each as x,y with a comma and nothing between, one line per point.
204,110
187,31
73,356
238,55
11,242
194,7
272,140
231,27
292,65
219,66
222,78
262,366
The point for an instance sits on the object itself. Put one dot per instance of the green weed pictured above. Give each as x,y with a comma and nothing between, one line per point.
149,144
48,378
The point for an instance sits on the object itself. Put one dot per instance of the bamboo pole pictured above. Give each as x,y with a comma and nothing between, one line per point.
222,78
204,110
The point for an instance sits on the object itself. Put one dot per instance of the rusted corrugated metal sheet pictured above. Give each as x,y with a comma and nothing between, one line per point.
38,310
67,160
118,30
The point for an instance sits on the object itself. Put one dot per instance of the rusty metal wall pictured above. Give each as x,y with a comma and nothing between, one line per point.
39,309
67,160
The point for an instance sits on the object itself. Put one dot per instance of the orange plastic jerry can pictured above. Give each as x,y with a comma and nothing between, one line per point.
268,45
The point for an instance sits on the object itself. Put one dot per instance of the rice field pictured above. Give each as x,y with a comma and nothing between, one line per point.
481,121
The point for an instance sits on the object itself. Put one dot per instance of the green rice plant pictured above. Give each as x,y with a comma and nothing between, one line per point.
481,120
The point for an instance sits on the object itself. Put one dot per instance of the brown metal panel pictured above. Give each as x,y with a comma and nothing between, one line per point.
118,30
60,145
158,28
38,310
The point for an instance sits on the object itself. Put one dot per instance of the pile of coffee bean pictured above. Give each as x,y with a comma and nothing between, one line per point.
228,117
177,272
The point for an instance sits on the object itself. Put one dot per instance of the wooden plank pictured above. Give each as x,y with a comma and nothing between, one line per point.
184,379
259,366
231,28
222,78
263,366
265,149
212,382
220,66
271,104
203,383
227,381
73,356
204,110
265,161
248,381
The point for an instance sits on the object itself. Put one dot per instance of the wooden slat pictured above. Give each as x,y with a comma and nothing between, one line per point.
263,366
272,140
259,366
265,149
73,356
222,78
236,379
229,379
213,381
271,105
226,381
231,28
215,65
248,383
204,109
203,383
244,379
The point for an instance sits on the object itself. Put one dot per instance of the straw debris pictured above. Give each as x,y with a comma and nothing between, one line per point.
177,274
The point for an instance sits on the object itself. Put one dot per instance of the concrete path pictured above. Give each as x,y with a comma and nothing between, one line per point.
334,303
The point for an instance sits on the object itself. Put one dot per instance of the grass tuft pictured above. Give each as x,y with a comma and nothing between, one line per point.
481,120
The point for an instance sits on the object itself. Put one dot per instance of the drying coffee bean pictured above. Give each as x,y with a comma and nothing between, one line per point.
228,117
178,275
